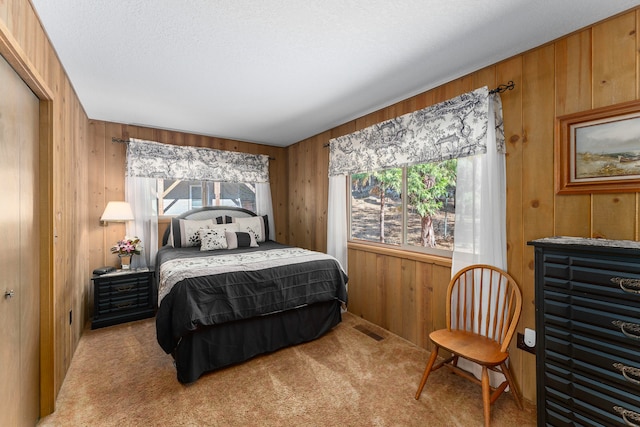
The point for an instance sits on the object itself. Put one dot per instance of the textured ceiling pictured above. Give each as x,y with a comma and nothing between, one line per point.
279,71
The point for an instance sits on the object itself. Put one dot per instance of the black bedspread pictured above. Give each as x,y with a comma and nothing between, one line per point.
197,302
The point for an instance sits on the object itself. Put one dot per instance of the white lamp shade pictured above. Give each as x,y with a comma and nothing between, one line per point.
117,212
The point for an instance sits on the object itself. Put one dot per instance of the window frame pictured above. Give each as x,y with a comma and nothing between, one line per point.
403,246
204,192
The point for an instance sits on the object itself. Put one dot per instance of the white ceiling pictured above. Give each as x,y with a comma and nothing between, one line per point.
279,71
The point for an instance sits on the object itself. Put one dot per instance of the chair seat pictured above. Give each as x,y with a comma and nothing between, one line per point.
471,346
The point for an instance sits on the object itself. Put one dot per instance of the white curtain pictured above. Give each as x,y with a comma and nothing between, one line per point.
141,195
264,205
480,233
337,220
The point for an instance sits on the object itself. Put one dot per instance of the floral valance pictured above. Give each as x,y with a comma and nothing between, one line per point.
155,160
451,129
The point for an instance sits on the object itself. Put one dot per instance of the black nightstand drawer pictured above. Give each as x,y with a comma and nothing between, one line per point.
124,302
123,297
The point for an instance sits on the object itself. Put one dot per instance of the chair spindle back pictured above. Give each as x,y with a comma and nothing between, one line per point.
484,300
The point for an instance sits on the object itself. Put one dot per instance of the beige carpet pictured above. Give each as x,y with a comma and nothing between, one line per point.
119,376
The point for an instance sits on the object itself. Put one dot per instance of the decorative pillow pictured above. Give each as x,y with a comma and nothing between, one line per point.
214,238
240,240
184,232
256,225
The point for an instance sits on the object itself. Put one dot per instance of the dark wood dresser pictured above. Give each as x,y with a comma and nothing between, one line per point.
588,328
123,296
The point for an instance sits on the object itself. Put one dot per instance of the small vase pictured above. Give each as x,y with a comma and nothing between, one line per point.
125,261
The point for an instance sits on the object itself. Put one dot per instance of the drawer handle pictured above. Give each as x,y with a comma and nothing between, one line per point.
124,288
631,286
124,305
628,415
627,371
632,328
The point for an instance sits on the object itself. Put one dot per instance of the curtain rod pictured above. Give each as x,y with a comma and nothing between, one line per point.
125,141
501,88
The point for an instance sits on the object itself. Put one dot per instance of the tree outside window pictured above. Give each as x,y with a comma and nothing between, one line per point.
425,192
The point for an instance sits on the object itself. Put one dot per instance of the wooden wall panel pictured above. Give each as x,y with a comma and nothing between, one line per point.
615,55
614,80
511,70
308,192
390,269
96,156
538,112
64,242
422,305
573,88
549,80
590,68
107,165
396,290
408,299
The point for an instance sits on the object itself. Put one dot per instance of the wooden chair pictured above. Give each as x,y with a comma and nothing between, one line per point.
483,308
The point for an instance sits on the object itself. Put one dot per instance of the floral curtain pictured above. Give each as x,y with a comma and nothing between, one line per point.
147,161
456,128
156,160
452,129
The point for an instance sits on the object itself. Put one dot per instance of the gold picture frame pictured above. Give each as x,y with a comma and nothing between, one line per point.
598,151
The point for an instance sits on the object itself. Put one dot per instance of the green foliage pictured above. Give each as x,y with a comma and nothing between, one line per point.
428,183
361,179
390,179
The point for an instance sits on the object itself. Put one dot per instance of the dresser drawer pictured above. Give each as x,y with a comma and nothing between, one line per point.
612,322
604,284
587,399
588,322
614,365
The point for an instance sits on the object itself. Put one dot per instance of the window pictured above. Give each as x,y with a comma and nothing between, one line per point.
195,196
177,196
412,207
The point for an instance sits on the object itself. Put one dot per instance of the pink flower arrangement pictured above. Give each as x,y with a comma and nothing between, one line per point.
127,246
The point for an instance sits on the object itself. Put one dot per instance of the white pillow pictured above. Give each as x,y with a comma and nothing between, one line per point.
214,238
184,232
253,225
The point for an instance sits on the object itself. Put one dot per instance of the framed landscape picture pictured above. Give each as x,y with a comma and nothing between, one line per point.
598,151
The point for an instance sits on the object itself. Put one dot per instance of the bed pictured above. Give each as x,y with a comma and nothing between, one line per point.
227,292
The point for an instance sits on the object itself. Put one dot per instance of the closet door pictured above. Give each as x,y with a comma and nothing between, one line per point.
19,259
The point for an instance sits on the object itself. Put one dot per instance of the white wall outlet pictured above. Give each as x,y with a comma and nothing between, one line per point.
529,337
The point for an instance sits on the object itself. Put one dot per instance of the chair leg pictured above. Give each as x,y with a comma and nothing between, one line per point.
512,385
427,371
486,396
455,361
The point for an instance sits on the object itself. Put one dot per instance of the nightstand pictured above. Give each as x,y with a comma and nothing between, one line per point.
123,296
